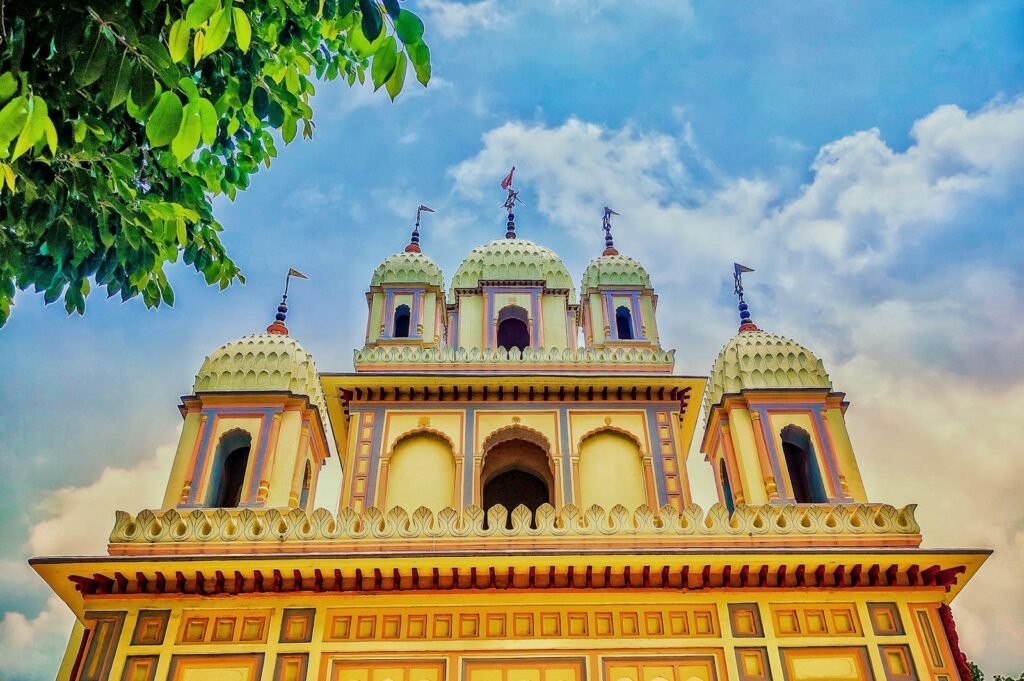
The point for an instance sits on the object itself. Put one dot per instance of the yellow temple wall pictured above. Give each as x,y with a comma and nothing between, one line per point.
471,316
597,318
182,458
421,472
649,320
541,636
283,452
611,472
376,317
836,423
555,332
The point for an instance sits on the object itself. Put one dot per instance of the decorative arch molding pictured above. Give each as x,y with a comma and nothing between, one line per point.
420,430
608,428
517,431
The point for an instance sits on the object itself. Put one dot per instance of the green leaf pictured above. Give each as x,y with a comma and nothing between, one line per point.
165,120
217,34
12,120
50,133
189,88
345,7
189,134
384,62
409,27
178,40
8,86
372,22
243,30
209,120
419,55
117,81
393,9
90,65
397,79
199,11
33,129
143,88
198,42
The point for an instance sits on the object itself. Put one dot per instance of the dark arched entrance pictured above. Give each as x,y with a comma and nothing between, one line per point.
802,466
516,472
513,329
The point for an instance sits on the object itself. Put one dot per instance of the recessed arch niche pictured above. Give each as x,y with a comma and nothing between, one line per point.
513,330
421,472
611,471
805,480
229,468
517,470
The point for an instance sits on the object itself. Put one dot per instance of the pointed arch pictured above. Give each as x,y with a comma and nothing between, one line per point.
400,326
513,328
421,472
516,468
623,323
609,428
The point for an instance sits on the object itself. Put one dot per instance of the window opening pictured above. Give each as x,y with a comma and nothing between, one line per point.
723,472
517,472
802,466
400,328
307,481
229,468
624,323
513,328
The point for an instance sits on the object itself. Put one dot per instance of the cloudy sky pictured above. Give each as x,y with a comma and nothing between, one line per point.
865,158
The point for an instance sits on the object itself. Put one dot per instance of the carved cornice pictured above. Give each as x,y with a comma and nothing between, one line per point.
568,527
432,358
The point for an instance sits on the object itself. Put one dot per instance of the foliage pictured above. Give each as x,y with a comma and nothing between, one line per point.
120,120
978,675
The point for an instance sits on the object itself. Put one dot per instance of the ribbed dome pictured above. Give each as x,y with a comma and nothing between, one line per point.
757,359
615,270
408,268
259,363
515,260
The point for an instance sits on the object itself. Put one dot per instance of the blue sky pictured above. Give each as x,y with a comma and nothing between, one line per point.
863,157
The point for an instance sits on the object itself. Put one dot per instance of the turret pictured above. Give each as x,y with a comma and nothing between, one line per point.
775,428
255,427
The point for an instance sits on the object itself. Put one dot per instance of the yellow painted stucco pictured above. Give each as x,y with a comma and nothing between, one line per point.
421,472
611,472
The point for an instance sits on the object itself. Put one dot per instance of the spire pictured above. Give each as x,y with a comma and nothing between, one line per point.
277,327
414,240
510,204
609,244
746,323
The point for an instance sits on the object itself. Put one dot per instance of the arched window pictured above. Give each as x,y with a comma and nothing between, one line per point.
229,467
624,323
513,328
307,482
517,472
723,473
400,329
802,466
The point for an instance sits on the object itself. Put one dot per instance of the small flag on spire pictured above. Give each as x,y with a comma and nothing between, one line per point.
507,182
278,327
292,272
606,223
414,241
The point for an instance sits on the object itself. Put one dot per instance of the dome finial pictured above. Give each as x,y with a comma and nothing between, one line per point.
609,244
510,204
746,323
414,240
277,327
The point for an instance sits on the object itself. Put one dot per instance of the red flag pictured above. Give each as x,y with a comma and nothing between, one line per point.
507,182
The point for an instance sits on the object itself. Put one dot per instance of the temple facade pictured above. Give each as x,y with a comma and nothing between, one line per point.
514,505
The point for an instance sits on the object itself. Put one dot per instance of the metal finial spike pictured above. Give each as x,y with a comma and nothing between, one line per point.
746,323
414,240
606,222
510,204
278,327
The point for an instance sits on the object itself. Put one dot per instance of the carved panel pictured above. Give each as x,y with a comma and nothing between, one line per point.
828,619
150,627
223,626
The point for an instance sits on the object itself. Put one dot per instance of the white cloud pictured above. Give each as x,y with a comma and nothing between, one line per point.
864,264
31,648
457,19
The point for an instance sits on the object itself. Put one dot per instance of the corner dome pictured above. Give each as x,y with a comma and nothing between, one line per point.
615,270
513,260
757,359
408,267
261,363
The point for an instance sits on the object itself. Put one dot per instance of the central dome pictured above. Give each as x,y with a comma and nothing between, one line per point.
513,260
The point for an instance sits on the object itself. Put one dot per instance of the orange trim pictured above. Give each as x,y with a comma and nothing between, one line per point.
731,464
770,486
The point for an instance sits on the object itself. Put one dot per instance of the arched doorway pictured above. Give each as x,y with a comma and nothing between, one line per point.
513,328
802,465
723,474
229,467
517,471
400,328
624,323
